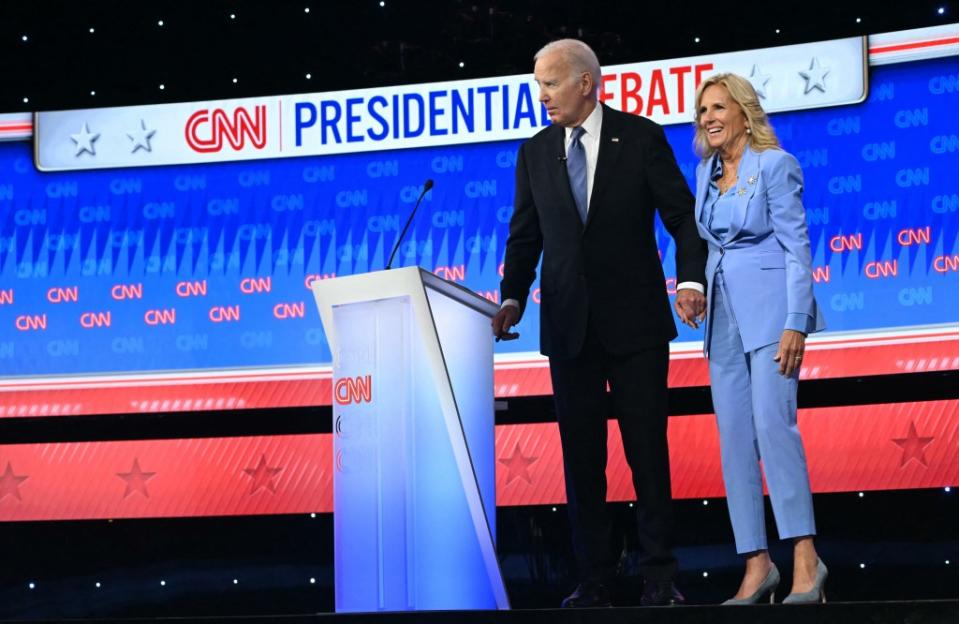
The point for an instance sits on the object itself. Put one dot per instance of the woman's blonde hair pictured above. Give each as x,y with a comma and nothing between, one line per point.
741,91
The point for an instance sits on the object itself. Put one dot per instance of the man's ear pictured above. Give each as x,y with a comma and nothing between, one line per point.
587,83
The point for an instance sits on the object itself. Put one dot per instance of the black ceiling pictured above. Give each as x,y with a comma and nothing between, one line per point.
270,47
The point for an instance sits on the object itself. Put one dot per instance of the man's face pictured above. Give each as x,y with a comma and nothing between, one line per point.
567,96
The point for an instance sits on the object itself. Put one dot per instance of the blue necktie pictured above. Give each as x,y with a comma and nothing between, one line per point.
576,167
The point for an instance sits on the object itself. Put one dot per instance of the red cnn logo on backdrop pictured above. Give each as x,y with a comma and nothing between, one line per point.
353,390
205,129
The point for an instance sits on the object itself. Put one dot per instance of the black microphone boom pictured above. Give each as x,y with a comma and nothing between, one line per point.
426,187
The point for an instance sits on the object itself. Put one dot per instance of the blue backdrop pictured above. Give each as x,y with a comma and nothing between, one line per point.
208,266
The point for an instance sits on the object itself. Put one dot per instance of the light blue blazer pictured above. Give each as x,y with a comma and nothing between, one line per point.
765,256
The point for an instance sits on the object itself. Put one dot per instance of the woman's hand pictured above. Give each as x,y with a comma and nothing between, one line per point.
690,306
792,348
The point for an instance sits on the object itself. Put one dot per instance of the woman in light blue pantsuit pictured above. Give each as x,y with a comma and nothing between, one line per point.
760,308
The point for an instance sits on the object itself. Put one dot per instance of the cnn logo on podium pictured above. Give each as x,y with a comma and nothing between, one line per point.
353,390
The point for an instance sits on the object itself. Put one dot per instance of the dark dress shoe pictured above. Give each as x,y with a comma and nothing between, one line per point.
661,594
588,594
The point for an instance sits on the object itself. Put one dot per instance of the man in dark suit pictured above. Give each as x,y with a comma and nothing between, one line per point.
586,191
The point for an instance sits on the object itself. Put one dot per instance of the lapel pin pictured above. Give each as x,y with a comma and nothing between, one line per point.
752,179
615,139
741,192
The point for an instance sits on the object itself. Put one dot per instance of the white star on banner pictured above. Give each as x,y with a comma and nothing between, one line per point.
815,76
141,137
84,140
759,80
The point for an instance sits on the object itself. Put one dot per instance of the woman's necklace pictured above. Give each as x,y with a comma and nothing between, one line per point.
729,171
729,177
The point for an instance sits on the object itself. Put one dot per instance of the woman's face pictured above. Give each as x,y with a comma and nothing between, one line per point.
721,119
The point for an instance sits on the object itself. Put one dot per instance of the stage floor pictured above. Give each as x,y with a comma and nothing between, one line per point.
913,612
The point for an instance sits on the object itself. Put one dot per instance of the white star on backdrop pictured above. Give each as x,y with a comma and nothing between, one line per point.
141,137
815,76
84,140
759,80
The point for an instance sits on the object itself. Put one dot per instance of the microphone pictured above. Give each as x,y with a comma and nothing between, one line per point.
426,186
561,158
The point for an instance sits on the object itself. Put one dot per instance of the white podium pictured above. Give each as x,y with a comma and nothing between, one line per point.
414,489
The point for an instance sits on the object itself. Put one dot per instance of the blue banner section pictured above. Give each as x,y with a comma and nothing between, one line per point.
193,267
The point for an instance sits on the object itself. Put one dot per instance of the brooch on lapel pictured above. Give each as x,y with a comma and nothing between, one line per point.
741,192
614,139
751,180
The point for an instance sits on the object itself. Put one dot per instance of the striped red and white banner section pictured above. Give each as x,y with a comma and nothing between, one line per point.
914,45
875,447
832,356
16,126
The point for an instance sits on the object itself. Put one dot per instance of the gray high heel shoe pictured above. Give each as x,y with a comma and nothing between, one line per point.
814,595
767,587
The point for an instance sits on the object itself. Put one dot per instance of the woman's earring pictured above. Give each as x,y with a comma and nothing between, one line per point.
749,130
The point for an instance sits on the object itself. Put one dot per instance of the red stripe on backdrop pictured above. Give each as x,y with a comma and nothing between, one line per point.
160,397
914,45
166,478
876,447
48,397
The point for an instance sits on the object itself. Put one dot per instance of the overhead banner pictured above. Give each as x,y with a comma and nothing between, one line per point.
795,77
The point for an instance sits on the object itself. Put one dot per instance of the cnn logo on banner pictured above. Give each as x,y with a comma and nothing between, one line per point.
206,130
353,390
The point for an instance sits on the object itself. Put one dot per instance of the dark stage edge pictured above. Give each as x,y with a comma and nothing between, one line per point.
911,612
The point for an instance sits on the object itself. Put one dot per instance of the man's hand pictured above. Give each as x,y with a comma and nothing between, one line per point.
507,316
691,307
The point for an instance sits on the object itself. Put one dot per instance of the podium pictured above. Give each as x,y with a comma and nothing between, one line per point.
414,489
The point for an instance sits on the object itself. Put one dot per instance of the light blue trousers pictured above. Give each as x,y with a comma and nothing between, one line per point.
756,413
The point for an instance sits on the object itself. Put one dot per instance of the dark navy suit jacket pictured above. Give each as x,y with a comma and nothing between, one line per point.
607,271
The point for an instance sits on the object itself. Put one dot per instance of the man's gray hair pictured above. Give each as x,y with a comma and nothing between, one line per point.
580,57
